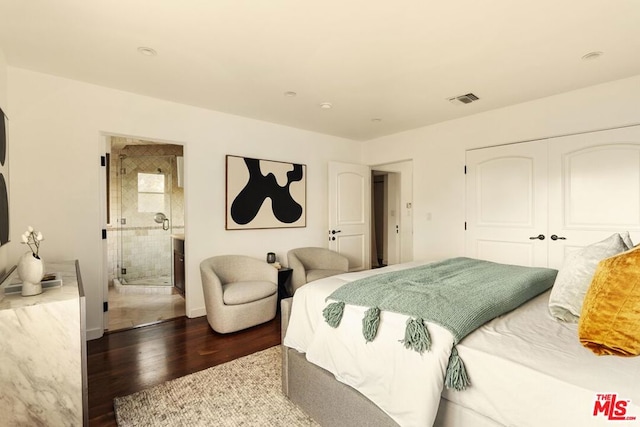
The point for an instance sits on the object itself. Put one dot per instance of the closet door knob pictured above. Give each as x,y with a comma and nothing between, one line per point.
554,237
539,237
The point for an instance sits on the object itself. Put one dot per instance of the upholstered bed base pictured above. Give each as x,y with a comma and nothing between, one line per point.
316,391
329,402
332,403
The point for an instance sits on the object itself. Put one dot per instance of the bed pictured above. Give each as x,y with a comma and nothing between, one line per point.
526,369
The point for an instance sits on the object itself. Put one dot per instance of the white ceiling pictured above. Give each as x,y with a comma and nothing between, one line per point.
398,61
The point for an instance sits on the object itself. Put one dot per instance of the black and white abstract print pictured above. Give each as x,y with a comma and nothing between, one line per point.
265,194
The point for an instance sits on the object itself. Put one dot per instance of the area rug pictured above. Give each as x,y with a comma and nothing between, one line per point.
243,392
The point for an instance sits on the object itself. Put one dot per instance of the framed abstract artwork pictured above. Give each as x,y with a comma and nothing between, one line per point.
4,181
265,194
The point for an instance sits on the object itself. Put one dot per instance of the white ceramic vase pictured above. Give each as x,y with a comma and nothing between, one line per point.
31,271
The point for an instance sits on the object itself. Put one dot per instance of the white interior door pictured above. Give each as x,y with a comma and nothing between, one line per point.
350,213
507,204
594,189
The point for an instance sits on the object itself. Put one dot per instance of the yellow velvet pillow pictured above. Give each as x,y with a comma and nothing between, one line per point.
610,319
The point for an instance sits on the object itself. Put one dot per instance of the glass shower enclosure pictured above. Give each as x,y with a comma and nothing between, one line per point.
144,253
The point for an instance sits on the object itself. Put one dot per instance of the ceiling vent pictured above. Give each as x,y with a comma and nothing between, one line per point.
463,99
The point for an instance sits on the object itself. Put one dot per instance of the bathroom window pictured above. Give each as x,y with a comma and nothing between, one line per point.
150,192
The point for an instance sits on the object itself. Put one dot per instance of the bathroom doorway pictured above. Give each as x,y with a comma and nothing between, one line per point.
145,215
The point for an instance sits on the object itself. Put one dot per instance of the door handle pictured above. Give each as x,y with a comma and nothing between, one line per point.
165,224
539,237
554,237
335,231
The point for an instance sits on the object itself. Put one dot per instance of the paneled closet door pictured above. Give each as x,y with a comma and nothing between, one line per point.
594,189
507,204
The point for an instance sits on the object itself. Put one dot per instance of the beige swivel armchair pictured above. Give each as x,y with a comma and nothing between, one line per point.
239,292
310,264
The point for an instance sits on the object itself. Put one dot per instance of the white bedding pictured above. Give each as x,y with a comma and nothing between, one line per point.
526,369
403,383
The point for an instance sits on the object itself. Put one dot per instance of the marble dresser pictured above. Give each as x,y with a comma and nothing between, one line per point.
43,378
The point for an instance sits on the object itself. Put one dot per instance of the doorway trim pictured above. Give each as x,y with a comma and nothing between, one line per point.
104,148
403,187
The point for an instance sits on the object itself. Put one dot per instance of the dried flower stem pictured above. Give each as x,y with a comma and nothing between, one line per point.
32,239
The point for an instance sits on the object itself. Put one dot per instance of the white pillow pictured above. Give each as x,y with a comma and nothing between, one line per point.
574,278
626,238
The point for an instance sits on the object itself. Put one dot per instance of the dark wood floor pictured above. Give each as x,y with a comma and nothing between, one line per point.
121,363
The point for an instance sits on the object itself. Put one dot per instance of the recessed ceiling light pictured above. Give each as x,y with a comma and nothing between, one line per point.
376,120
290,94
592,55
147,51
326,105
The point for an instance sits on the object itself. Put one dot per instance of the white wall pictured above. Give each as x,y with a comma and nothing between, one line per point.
55,143
4,250
438,152
56,128
3,80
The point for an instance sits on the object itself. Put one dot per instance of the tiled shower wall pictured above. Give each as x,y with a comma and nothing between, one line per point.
141,246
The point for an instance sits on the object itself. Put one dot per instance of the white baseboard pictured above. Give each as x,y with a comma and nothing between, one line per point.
94,333
197,312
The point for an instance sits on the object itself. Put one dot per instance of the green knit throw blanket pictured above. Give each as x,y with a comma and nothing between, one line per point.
459,294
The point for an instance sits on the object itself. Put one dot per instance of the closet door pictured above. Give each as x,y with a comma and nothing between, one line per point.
594,189
507,204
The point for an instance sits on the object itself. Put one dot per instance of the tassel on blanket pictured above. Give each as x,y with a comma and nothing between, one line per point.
416,336
456,373
370,323
333,313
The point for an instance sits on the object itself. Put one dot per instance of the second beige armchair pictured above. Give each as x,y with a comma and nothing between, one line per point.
310,264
